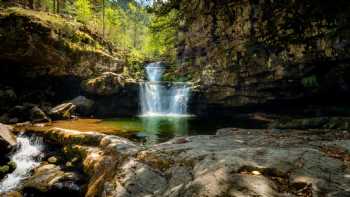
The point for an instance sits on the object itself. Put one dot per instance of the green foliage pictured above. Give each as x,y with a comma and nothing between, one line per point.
47,5
163,33
83,10
310,82
135,64
4,169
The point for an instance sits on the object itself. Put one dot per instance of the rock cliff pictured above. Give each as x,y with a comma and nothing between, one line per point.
248,52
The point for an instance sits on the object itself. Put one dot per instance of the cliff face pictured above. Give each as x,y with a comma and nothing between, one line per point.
46,57
250,52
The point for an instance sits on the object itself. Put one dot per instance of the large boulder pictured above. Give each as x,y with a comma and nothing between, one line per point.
62,111
7,139
38,115
106,84
114,94
26,112
51,179
84,106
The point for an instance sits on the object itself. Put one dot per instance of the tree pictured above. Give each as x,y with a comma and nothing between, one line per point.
83,10
103,18
164,30
31,4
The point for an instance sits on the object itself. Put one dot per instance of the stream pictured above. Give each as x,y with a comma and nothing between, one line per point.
27,157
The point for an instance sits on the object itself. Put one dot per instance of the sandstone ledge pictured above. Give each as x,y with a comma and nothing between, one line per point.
234,162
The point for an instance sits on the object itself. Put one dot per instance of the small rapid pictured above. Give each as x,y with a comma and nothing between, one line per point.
27,157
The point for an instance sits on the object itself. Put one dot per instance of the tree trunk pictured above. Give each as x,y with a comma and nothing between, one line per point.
135,34
31,4
58,6
54,6
103,18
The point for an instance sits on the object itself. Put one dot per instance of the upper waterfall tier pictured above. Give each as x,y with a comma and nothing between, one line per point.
155,71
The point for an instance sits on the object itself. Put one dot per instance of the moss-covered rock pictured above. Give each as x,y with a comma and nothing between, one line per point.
107,84
115,94
6,169
42,43
51,179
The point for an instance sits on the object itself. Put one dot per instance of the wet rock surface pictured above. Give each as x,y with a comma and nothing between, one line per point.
7,139
49,178
234,162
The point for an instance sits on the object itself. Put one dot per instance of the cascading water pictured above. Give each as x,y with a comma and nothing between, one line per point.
159,98
27,157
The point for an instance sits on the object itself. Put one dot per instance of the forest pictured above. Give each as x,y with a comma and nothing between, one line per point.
136,27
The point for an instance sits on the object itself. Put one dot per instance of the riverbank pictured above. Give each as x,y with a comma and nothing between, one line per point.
234,162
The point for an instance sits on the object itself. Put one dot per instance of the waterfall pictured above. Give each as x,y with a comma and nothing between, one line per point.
160,98
26,158
155,71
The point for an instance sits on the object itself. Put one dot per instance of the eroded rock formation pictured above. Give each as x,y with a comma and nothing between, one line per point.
234,162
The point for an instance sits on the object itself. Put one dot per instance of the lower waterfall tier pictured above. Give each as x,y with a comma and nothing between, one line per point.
164,98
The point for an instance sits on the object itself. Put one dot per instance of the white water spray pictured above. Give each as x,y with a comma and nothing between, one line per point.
159,98
26,158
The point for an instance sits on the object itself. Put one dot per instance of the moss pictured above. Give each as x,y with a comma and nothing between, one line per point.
44,18
70,38
4,170
8,168
12,165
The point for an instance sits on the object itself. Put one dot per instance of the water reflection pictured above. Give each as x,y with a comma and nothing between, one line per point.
155,129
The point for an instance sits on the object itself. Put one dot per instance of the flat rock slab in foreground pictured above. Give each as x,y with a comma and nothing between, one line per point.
235,162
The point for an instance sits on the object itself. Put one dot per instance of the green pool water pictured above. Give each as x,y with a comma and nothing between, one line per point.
151,130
